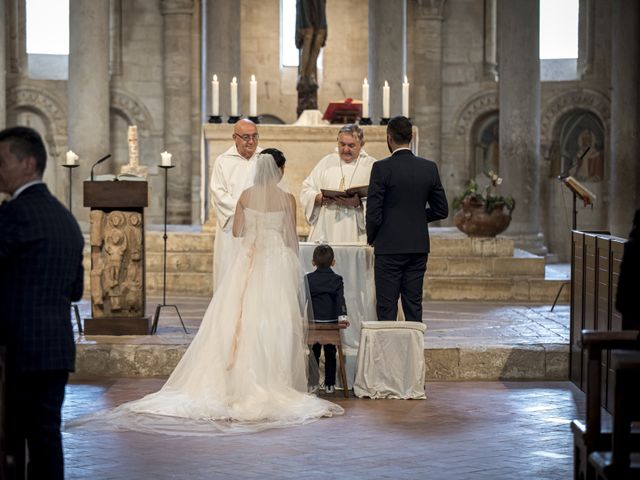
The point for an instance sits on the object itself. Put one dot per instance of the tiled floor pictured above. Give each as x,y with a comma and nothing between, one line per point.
464,430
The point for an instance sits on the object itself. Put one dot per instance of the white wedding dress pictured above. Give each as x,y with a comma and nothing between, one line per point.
245,370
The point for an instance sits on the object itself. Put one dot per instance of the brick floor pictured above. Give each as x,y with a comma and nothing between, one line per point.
464,430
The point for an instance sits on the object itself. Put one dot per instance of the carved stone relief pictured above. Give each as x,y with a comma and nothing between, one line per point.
116,264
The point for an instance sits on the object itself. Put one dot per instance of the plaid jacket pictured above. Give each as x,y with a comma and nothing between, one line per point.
40,275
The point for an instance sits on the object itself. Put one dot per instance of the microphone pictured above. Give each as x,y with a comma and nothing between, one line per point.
98,162
564,174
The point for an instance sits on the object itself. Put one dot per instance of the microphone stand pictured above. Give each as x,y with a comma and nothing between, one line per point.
156,316
70,167
99,162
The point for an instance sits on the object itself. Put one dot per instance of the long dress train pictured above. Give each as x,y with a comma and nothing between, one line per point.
245,370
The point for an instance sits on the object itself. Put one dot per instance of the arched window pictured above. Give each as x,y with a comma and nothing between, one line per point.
558,39
48,38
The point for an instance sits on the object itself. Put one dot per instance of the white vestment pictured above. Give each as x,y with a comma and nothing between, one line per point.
331,223
232,173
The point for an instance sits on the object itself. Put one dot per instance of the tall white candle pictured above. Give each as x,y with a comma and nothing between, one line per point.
166,159
72,158
385,100
215,96
365,99
234,97
405,97
253,97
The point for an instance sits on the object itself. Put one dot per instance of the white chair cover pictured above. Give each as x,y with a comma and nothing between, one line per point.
391,360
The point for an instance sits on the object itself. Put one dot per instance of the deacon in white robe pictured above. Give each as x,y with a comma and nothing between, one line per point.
233,172
338,219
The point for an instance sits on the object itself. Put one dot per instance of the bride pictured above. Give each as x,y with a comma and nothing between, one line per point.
245,370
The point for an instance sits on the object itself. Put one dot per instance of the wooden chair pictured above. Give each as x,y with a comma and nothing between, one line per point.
588,437
324,333
616,463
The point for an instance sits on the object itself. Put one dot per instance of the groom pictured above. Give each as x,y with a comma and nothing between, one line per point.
405,194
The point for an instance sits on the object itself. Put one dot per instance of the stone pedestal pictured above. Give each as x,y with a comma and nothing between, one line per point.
117,257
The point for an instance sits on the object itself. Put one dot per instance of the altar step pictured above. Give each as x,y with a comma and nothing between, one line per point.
459,268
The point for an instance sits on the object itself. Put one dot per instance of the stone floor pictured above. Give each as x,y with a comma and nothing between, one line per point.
464,430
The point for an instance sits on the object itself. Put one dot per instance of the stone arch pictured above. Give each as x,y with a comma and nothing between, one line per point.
559,106
477,108
133,110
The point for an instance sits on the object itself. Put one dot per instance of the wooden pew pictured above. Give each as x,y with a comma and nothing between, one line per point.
616,463
588,437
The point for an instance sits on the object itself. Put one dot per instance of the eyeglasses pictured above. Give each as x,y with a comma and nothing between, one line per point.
246,138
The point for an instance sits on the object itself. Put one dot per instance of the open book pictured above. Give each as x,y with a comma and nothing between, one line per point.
360,191
580,190
109,177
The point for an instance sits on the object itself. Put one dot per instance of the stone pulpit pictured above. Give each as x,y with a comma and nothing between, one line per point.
117,257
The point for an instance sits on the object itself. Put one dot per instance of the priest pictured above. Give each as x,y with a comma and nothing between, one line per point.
233,172
334,216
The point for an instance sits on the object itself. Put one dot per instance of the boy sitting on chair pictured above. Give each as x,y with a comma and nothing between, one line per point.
327,299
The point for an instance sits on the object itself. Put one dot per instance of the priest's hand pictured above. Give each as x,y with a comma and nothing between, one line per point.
353,201
325,201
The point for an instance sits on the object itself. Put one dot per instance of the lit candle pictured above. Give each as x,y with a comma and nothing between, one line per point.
215,96
166,159
365,99
72,158
234,97
405,97
253,97
385,100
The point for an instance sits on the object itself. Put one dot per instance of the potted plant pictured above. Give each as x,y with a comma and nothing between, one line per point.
481,213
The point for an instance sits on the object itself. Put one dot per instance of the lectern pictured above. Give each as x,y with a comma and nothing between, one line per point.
117,257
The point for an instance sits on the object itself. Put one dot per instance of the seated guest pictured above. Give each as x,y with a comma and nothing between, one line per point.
629,280
326,289
341,218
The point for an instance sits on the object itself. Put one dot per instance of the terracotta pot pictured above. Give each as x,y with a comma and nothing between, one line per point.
474,220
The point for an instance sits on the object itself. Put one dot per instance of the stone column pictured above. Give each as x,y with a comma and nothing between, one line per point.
177,16
387,53
624,183
88,89
519,100
222,46
426,95
3,67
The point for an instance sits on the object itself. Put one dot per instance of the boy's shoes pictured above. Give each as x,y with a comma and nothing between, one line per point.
329,389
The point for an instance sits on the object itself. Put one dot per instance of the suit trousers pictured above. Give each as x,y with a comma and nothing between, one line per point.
34,404
329,362
399,275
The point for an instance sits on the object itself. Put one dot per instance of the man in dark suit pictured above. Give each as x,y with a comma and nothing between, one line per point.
629,280
405,194
40,275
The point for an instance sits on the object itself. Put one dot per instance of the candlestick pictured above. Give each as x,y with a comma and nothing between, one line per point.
234,97
405,97
215,96
166,159
253,97
72,158
385,100
365,99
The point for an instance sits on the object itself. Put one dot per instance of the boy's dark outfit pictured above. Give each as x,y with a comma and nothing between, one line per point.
327,298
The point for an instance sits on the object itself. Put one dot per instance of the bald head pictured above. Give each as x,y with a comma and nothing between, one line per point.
245,135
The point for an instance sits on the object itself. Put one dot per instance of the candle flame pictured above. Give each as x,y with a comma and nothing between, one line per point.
233,80
365,81
215,77
386,84
405,79
253,78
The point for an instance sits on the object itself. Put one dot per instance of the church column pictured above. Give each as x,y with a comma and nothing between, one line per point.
222,48
519,99
427,82
387,53
3,67
624,183
88,89
177,16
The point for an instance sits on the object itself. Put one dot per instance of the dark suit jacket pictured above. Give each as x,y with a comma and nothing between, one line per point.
40,275
397,214
327,294
629,280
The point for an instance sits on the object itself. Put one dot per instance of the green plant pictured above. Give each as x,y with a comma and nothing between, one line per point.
474,193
